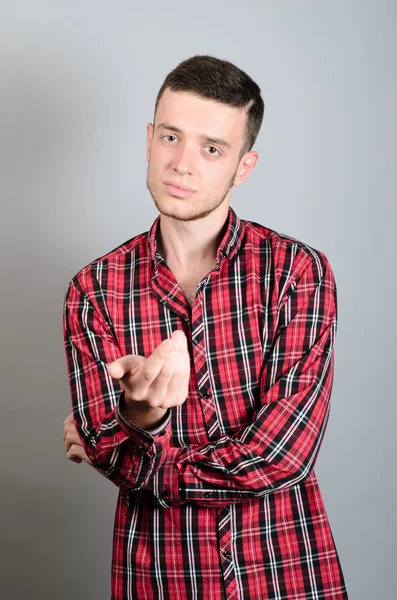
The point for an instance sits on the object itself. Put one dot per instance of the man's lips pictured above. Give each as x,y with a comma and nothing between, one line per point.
179,190
180,186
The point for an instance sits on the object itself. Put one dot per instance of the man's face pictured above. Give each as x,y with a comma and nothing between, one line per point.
195,143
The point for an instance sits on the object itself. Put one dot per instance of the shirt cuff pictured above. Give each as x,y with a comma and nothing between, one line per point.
144,438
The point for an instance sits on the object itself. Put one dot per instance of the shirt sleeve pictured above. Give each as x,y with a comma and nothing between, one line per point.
279,448
123,452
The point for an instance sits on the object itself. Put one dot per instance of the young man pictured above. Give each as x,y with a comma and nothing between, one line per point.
200,361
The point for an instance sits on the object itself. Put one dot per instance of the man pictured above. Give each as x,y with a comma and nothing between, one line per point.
200,361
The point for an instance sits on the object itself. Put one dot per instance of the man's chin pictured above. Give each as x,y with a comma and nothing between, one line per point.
179,215
181,212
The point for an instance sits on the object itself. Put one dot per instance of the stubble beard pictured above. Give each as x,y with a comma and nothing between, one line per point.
206,207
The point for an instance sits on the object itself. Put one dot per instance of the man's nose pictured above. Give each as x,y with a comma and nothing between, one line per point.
184,160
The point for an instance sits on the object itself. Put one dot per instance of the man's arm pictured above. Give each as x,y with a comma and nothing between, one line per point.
279,448
121,450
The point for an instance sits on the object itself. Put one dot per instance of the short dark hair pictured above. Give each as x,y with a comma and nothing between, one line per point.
222,81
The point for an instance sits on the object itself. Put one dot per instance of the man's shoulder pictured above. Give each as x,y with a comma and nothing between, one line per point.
282,243
112,257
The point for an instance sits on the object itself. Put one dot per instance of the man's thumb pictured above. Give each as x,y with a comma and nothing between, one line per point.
125,364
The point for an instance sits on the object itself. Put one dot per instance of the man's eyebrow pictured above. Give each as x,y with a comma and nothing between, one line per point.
206,138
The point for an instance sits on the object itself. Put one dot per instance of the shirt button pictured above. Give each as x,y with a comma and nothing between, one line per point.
208,494
227,554
163,432
165,493
206,394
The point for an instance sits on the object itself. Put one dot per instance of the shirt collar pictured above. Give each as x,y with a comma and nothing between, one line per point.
227,248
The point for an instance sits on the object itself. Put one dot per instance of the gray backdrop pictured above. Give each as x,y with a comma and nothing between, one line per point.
78,84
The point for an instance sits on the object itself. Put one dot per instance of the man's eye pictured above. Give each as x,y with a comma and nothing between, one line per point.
212,148
169,136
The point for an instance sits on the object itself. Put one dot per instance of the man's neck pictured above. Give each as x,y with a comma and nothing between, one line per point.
191,245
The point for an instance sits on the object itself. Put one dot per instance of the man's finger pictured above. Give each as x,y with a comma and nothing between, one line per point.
138,387
153,366
75,460
159,386
76,453
69,419
72,437
125,365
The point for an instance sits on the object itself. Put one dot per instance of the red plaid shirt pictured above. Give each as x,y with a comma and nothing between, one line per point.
221,500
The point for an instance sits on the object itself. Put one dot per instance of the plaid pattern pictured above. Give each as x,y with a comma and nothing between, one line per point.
221,500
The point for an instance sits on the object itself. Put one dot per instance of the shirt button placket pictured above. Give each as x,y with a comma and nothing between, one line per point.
225,546
229,574
203,367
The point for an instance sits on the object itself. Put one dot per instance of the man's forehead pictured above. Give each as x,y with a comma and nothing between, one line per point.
181,109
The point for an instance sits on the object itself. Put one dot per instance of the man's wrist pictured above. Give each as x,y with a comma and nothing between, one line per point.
140,414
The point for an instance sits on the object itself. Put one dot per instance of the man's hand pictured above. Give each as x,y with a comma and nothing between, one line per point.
73,443
152,385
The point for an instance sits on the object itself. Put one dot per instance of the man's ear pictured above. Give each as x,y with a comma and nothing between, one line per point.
246,165
149,136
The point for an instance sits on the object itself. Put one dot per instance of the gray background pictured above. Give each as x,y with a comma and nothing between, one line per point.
78,84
